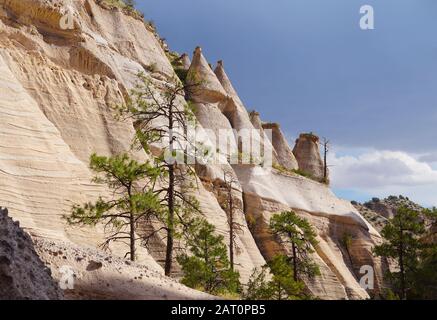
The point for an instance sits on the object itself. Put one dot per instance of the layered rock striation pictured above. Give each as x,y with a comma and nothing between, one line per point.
58,88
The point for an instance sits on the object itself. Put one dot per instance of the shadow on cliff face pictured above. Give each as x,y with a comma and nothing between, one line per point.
23,276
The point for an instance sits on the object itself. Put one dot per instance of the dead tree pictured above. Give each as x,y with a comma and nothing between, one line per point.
326,145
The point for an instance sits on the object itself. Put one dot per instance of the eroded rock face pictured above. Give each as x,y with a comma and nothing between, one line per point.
284,154
57,88
375,219
206,86
22,274
308,157
234,108
267,193
209,100
256,120
56,98
91,274
186,62
258,125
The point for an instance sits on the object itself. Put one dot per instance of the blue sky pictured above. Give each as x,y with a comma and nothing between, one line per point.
308,65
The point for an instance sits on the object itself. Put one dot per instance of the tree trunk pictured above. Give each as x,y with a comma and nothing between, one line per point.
209,282
402,268
325,161
132,237
171,204
295,275
131,224
325,167
231,230
170,223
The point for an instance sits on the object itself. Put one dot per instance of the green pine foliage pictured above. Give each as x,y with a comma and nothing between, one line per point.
207,266
425,281
160,120
275,281
258,287
402,243
410,242
283,285
296,232
129,202
282,277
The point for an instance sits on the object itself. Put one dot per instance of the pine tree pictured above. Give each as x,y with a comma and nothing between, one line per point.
129,202
207,266
258,287
161,121
284,285
297,233
403,243
425,279
274,281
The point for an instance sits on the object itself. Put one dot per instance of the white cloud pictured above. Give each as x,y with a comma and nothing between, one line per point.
382,173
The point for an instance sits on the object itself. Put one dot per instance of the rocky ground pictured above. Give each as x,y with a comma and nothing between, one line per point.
88,273
374,218
41,269
377,211
22,273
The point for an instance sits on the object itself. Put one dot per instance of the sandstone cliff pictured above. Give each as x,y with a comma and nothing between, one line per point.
57,87
307,153
284,154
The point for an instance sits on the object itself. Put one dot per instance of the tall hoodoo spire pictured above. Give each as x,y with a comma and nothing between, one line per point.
226,82
236,112
206,86
285,156
307,153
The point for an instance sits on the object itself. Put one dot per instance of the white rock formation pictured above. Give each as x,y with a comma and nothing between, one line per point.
207,88
56,99
307,153
267,193
57,87
100,276
284,155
